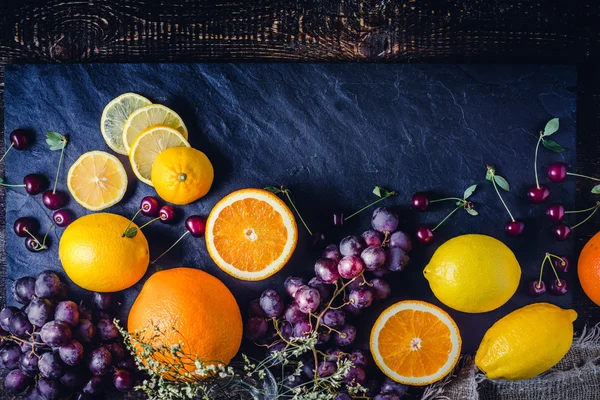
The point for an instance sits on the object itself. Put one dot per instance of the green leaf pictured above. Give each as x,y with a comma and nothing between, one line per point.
489,173
131,232
273,189
1,180
459,203
596,189
472,212
552,145
470,190
551,127
55,140
503,183
377,191
381,192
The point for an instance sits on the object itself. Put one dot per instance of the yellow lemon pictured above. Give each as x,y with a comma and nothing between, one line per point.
147,117
526,342
115,115
182,175
473,273
98,257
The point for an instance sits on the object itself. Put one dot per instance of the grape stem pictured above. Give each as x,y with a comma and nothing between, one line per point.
447,216
6,152
389,194
588,217
537,147
287,194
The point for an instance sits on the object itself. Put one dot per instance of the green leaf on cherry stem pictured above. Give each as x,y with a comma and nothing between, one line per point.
472,212
460,203
596,189
1,180
470,190
489,173
56,141
503,183
381,192
551,127
552,145
273,189
131,232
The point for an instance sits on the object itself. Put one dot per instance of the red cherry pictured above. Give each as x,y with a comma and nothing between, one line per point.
54,201
62,217
196,225
166,214
23,225
34,245
556,212
34,183
559,287
424,234
20,139
561,232
149,206
561,265
537,288
538,195
420,201
514,228
337,219
557,172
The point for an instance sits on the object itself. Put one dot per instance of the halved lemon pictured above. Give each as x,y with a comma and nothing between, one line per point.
149,144
415,343
97,180
115,115
147,117
251,234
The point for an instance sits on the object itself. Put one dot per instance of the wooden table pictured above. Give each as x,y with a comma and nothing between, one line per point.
461,31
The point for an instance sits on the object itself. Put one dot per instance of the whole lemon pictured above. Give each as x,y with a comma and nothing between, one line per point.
526,342
473,273
191,306
96,256
182,175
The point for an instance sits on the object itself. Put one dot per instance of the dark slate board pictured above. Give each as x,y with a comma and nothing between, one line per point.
329,132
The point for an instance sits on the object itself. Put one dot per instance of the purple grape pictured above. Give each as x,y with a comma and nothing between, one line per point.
373,257
99,361
23,289
302,329
19,325
51,366
49,389
10,356
387,396
17,381
292,284
127,363
47,285
326,369
55,334
116,350
380,288
294,380
401,240
271,303
72,378
99,315
352,246
381,272
94,386
390,386
255,328
28,363
85,332
72,353
326,270
350,309
334,355
5,316
308,299
356,374
106,330
323,288
293,314
254,309
350,267
384,220
342,396
334,318
286,329
332,252
33,394
361,297
40,311
372,238
123,380
361,358
63,293
67,312
396,259
324,336
103,301
308,368
85,312
345,336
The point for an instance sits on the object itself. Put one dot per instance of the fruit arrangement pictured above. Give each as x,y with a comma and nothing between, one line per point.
55,348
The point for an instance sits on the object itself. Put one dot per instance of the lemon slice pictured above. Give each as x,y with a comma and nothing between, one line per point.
147,117
148,145
97,180
115,115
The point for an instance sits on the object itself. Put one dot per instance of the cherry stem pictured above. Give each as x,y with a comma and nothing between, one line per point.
580,211
389,194
287,194
446,199
6,184
562,262
62,152
6,152
46,235
148,223
502,200
169,249
539,284
447,216
553,269
573,174
588,217
34,238
131,221
537,147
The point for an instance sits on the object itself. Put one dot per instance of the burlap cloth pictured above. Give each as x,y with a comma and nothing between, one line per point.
575,377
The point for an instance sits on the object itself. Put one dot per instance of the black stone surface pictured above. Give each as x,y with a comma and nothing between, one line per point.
330,133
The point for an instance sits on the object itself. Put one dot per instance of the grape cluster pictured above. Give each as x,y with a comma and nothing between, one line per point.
54,348
348,278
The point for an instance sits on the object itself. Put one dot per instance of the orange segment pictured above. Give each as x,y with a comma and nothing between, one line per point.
415,343
251,234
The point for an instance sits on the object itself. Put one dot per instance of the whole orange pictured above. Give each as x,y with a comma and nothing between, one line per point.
192,307
588,268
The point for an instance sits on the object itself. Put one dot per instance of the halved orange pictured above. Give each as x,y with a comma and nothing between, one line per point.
251,234
415,343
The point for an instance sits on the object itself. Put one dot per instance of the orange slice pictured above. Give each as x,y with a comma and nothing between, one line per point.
251,234
415,343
